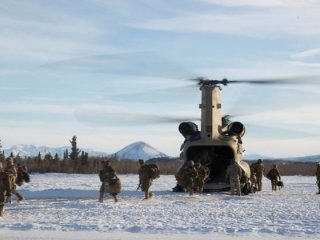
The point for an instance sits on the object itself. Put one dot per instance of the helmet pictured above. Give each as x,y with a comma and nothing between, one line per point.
10,161
141,161
259,161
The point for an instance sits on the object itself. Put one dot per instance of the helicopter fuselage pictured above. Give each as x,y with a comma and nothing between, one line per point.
215,146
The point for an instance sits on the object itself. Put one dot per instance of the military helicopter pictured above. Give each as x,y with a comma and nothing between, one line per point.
218,143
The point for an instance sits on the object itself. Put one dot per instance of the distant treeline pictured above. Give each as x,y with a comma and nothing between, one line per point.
86,164
89,165
288,168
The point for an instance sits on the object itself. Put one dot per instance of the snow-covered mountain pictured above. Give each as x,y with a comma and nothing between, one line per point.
27,150
139,150
134,151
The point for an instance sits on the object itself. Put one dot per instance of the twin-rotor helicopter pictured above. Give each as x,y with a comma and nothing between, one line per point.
218,142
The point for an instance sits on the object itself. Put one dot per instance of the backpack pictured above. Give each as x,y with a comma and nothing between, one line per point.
26,177
152,170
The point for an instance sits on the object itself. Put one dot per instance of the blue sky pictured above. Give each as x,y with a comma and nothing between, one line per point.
65,66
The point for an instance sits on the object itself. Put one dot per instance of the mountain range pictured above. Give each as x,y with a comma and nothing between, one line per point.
134,151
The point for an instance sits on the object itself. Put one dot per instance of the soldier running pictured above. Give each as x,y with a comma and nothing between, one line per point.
110,182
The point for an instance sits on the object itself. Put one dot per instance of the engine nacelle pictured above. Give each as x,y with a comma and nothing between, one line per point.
188,129
236,128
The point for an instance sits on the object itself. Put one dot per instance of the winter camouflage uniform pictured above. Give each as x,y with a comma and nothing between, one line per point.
187,176
4,188
11,170
318,177
147,173
110,182
273,175
234,174
203,175
258,168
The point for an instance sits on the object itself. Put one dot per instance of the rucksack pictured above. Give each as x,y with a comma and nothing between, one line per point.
26,177
152,170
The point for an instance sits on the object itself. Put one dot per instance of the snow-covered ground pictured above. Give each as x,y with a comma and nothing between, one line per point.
65,206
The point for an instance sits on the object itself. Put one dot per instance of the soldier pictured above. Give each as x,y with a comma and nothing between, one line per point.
258,168
5,191
22,175
318,176
11,170
253,180
147,173
273,176
110,182
187,176
234,174
203,175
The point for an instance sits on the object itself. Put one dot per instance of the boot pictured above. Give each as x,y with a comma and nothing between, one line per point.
146,195
7,199
20,197
150,195
115,197
1,211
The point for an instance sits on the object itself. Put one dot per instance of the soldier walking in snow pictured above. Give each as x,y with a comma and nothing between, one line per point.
147,173
258,168
5,191
273,175
318,177
110,182
12,172
187,176
203,175
234,174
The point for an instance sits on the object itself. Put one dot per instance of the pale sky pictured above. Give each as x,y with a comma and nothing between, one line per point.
66,65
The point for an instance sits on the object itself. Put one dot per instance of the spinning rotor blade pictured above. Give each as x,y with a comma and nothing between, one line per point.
120,118
313,79
277,81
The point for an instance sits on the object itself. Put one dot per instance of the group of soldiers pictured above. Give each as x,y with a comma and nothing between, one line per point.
257,173
10,176
192,176
111,183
